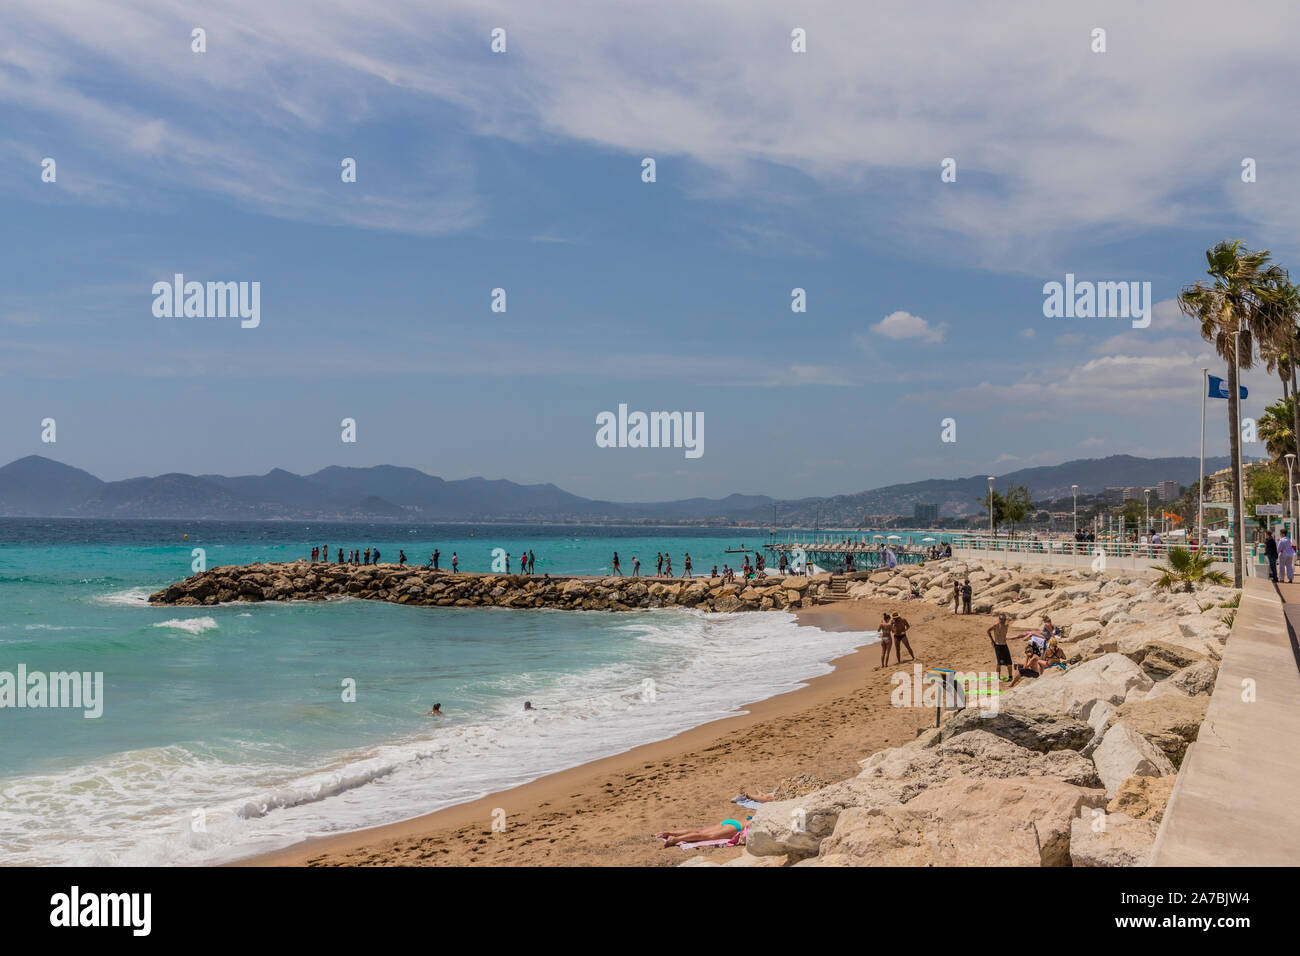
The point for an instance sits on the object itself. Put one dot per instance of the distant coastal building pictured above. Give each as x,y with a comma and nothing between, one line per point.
1168,490
1221,482
1113,496
924,514
1133,493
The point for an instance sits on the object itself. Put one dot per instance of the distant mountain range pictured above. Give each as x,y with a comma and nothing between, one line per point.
40,487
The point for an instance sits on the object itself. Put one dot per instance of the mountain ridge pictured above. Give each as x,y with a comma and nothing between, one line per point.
35,486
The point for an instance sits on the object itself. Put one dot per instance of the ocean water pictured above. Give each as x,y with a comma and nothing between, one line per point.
225,731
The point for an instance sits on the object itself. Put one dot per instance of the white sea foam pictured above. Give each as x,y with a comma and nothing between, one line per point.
130,597
138,808
191,625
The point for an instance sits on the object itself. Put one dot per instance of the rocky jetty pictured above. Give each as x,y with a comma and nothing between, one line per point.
1073,768
306,581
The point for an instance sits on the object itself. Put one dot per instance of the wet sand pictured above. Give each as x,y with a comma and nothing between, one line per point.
605,813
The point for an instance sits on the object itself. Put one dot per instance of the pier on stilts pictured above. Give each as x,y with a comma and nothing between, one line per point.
844,553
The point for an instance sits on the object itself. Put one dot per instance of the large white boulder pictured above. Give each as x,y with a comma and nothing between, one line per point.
1123,753
1076,691
1111,839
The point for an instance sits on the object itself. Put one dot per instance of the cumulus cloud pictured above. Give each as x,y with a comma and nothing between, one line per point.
904,325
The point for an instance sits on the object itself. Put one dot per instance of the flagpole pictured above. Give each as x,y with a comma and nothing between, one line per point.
1200,485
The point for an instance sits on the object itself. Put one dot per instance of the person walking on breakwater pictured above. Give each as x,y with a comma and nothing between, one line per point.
1286,556
686,563
376,557
659,565
636,566
436,555
401,557
616,567
532,561
367,561
886,639
455,562
899,627
1001,652
668,560
965,597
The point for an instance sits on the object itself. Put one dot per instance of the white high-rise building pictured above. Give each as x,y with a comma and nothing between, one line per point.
1168,490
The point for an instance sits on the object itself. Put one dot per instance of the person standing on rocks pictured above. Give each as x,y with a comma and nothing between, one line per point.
636,566
340,555
375,559
436,555
1001,652
532,561
669,570
965,597
455,562
659,566
686,563
899,626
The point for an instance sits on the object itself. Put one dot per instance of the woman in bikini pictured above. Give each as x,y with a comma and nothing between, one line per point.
726,830
886,639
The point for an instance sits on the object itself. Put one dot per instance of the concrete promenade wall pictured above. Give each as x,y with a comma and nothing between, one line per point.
1235,800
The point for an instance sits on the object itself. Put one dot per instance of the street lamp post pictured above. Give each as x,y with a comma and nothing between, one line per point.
1290,460
990,511
1146,493
1074,490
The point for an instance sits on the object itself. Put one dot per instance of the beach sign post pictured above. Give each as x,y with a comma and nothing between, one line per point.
941,675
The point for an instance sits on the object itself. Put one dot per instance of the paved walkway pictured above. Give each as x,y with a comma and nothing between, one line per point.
1235,800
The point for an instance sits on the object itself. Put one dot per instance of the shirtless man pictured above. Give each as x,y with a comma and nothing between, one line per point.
956,596
886,640
998,635
899,626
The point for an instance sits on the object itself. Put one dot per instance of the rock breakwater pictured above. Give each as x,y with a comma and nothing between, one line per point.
306,581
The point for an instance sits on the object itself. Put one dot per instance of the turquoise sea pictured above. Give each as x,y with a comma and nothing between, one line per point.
225,731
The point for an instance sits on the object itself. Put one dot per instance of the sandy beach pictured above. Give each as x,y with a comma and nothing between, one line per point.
606,812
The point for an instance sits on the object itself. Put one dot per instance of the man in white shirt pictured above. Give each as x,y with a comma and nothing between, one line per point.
1286,559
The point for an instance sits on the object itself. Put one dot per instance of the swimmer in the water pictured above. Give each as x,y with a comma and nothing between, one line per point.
436,712
528,705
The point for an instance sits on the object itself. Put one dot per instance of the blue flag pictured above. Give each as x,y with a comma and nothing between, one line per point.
1219,388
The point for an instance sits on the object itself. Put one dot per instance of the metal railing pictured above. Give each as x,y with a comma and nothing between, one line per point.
1068,547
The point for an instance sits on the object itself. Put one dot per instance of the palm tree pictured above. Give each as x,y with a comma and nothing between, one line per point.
1234,306
1188,569
1280,348
1276,427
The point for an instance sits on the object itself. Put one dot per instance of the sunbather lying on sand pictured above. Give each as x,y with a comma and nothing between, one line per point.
726,830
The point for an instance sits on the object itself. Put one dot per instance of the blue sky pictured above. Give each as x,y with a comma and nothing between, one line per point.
522,170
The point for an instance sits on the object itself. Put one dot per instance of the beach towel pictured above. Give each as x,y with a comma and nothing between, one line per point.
747,804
